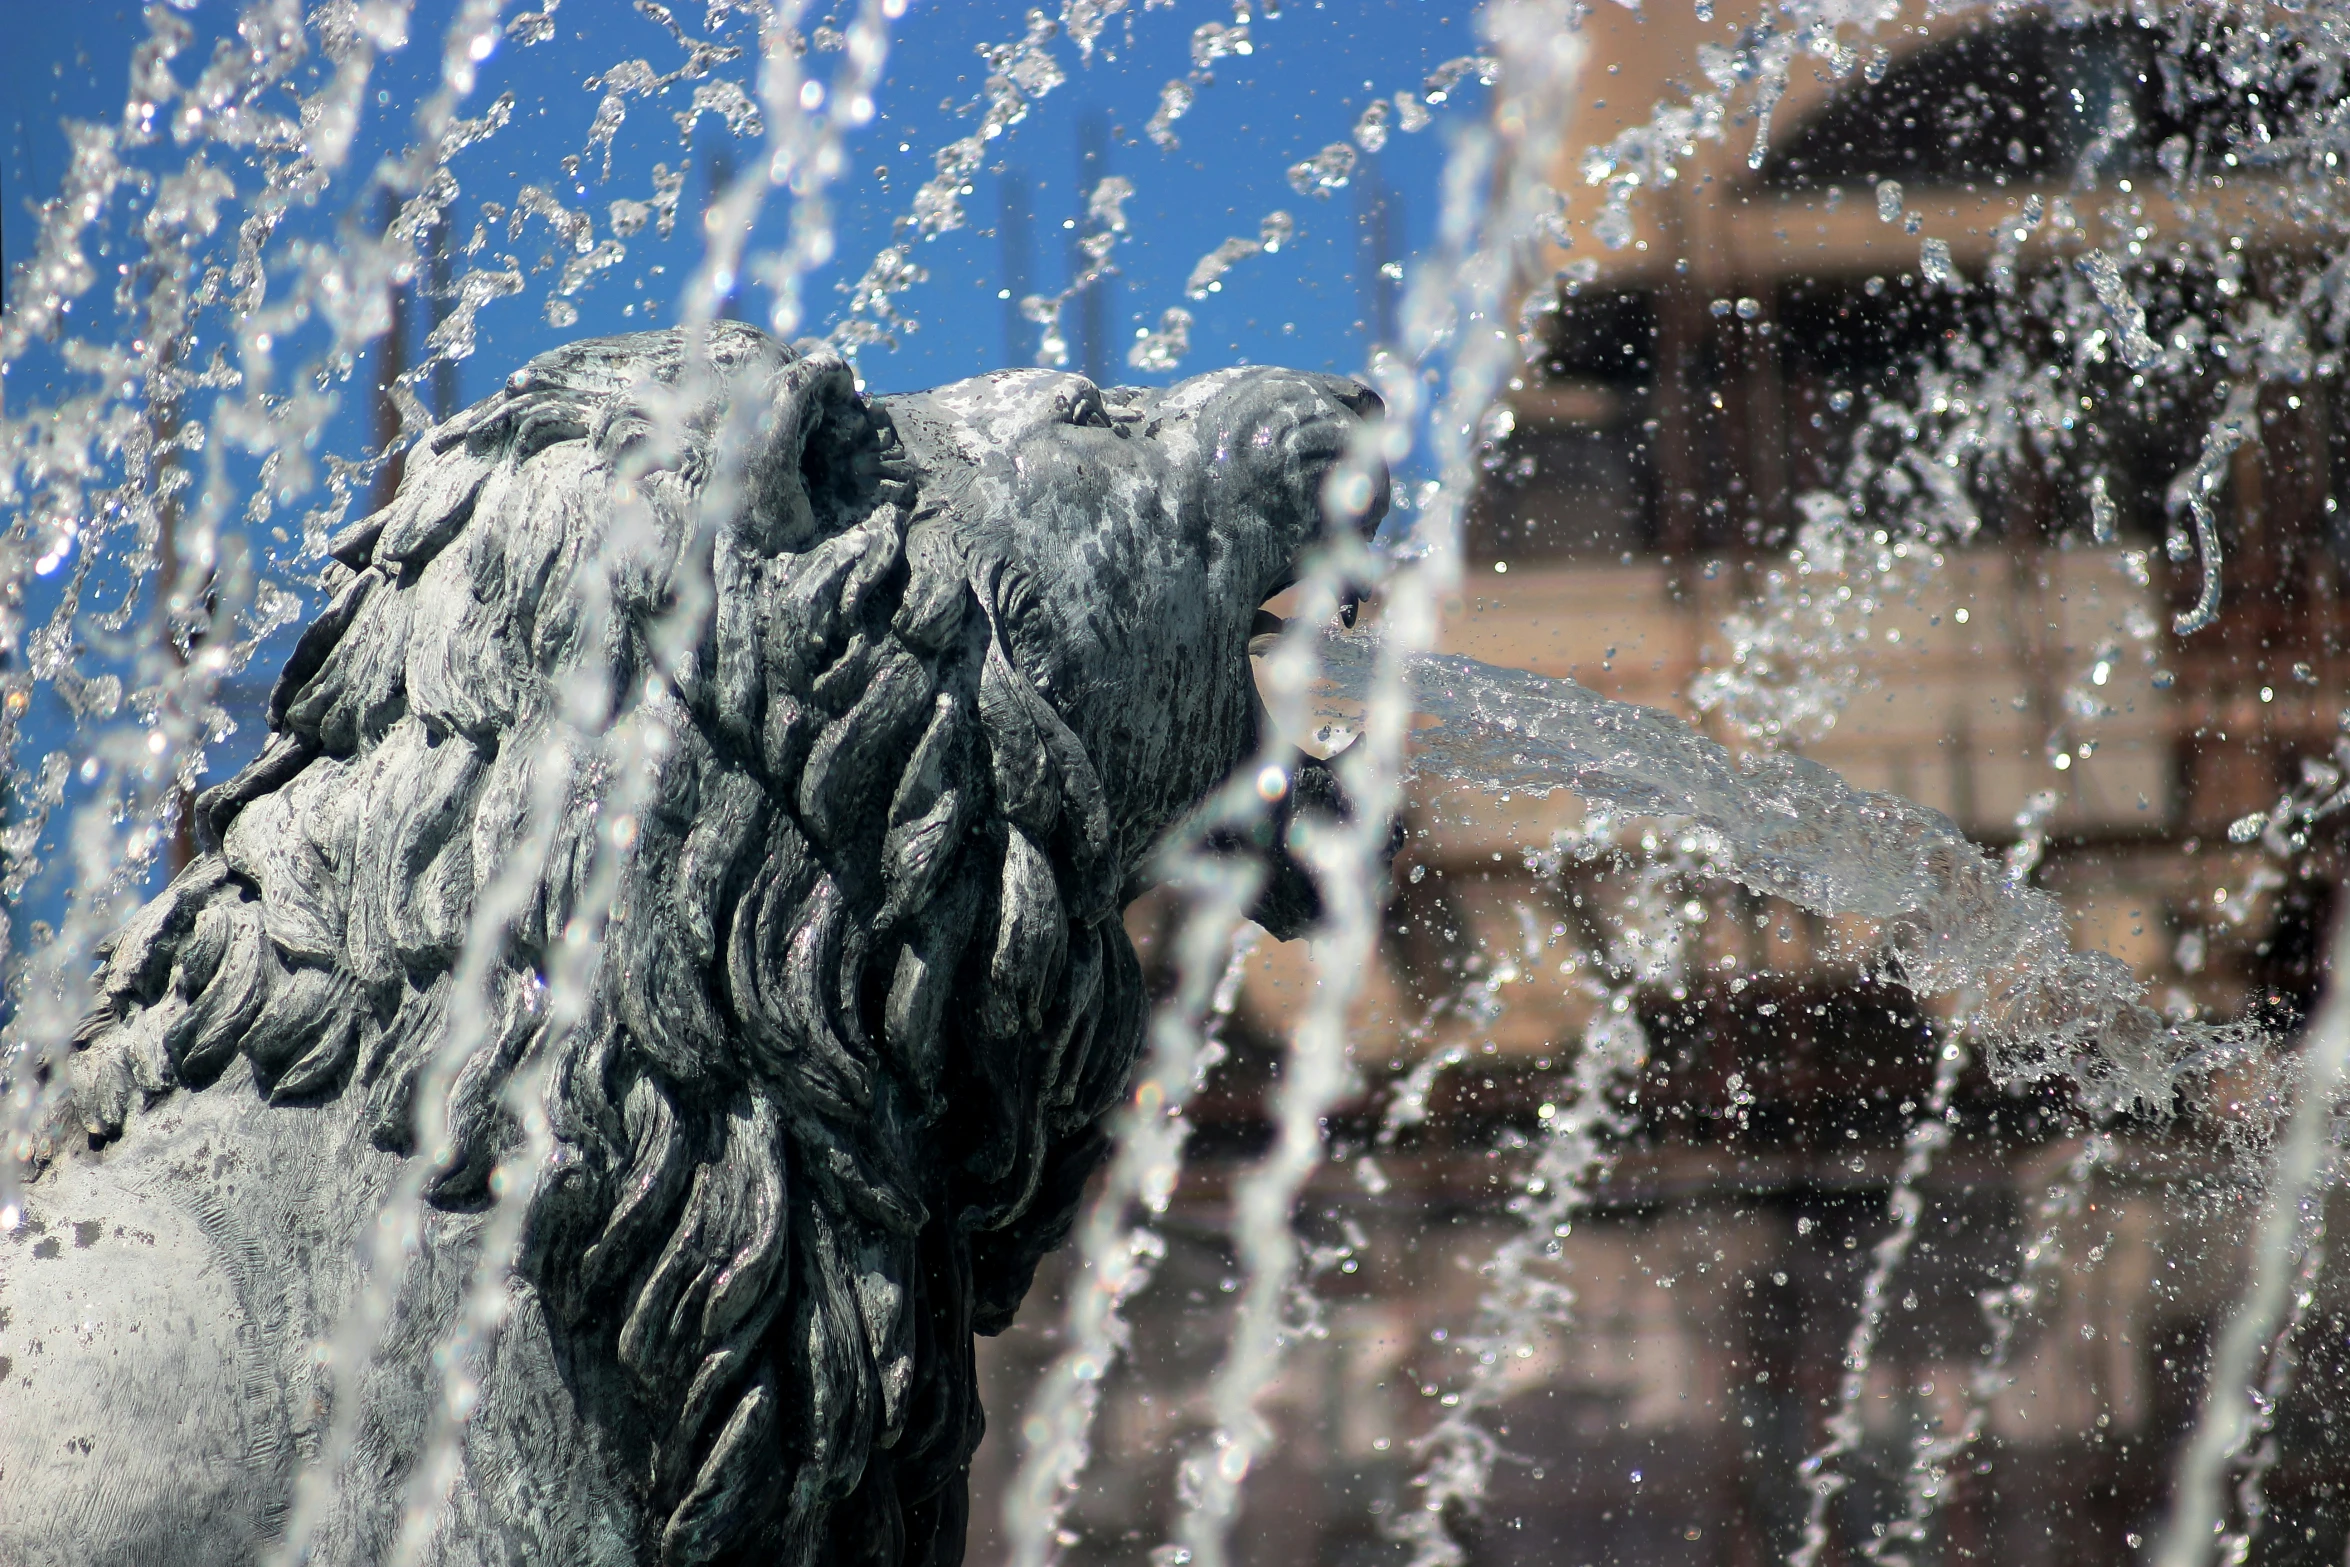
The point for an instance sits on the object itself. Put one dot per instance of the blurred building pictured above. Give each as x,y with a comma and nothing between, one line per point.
1701,387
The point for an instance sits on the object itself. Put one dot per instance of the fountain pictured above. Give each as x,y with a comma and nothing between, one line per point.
184,456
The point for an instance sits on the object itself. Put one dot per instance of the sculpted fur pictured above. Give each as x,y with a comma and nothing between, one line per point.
863,999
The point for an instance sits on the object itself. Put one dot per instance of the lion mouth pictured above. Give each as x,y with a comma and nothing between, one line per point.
1264,631
1268,628
1318,448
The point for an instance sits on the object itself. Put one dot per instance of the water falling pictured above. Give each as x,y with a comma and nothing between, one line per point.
2240,1386
1935,1460
1523,1300
1117,1257
1928,1136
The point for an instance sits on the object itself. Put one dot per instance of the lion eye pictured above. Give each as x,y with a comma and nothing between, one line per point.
1086,409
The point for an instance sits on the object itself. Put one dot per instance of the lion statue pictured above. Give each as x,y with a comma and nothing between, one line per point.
831,1083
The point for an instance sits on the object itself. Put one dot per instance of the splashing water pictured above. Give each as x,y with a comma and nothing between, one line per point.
1115,1257
110,871
1791,828
2258,1447
1927,1136
2239,1394
236,329
1105,212
1935,1458
1523,1301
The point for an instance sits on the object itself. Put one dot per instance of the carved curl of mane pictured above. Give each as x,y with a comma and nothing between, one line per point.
877,880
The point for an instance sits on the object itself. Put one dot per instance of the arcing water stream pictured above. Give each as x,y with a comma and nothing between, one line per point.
155,440
1782,825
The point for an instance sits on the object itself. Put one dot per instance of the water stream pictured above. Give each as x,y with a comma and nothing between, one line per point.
1951,917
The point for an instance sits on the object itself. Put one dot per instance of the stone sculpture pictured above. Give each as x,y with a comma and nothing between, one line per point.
863,1003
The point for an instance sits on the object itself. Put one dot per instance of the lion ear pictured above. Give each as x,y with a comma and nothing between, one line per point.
746,406
812,418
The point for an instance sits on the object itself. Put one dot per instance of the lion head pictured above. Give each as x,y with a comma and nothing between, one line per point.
864,997
1146,528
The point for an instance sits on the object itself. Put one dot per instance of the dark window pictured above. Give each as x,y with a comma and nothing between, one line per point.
2037,102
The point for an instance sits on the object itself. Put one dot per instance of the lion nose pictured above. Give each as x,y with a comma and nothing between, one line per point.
1354,396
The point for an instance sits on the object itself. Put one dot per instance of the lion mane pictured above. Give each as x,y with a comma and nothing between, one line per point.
865,997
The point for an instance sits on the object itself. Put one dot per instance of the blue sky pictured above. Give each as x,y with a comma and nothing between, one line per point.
1312,70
